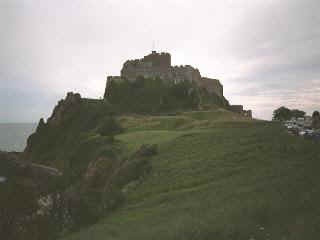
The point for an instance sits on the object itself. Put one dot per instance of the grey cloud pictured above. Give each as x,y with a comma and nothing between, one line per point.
265,52
280,57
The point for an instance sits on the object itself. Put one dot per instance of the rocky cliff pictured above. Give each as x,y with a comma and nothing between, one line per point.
64,106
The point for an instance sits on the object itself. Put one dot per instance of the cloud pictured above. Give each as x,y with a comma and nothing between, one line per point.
264,52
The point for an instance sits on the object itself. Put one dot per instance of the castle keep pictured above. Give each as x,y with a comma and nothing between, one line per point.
159,65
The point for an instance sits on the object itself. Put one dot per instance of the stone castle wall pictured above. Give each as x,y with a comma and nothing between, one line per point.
158,60
212,86
159,65
236,108
239,109
152,65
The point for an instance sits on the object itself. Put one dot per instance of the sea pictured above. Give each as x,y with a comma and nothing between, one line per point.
13,136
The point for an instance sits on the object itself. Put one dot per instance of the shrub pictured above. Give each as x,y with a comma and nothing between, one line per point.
110,127
148,95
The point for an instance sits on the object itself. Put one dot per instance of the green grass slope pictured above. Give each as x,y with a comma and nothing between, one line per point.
217,176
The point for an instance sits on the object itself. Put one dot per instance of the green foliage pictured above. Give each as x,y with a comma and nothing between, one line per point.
110,127
94,166
297,113
316,114
215,176
152,95
57,146
70,146
284,114
234,180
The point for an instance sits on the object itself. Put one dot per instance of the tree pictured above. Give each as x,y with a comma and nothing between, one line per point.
297,113
315,114
282,114
316,120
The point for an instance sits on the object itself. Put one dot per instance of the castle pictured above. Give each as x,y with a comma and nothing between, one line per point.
159,65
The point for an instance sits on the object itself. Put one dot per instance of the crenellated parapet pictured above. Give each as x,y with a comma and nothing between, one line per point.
152,65
158,65
239,109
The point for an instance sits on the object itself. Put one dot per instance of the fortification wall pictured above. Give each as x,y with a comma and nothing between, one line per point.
158,59
131,72
158,65
239,109
212,85
236,108
150,66
184,73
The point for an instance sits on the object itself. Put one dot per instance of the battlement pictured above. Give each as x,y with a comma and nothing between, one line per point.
158,65
162,60
153,60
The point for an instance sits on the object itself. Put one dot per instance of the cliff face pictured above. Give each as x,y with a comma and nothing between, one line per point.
72,117
64,106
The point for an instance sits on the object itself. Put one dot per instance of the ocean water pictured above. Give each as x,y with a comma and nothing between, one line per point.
13,136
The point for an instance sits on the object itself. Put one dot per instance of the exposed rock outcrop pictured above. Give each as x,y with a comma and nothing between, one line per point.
64,106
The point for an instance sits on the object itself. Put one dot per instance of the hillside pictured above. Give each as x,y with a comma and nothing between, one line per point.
163,156
216,176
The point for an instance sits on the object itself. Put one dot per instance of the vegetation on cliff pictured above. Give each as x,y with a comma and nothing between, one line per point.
154,96
173,172
78,140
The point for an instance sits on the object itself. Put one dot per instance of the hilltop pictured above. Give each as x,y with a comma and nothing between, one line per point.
216,176
164,157
213,174
166,87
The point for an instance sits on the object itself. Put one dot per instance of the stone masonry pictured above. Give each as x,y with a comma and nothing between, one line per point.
159,65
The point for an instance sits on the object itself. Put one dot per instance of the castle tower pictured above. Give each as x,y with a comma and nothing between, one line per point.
161,60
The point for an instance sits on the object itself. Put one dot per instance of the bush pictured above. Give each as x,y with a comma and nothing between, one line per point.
110,127
152,95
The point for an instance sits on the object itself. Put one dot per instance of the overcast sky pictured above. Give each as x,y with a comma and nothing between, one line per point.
266,53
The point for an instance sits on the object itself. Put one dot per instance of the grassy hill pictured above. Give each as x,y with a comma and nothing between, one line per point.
217,176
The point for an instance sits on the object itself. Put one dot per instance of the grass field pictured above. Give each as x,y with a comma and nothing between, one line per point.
217,176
